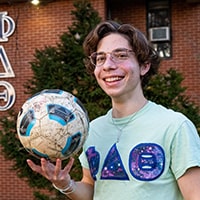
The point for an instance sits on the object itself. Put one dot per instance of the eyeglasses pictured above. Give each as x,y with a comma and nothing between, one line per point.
117,56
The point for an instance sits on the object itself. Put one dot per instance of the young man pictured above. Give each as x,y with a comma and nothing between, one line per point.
138,150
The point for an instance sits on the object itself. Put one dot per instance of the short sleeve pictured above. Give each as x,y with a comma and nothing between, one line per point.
83,160
185,149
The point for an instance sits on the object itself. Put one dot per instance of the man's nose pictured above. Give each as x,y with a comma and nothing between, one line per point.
109,63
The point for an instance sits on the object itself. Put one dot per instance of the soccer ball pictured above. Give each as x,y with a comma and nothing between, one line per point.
52,124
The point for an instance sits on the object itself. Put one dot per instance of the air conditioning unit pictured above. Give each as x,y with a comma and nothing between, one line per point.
159,34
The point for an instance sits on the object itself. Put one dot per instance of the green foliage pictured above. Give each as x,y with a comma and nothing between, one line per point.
56,67
40,196
167,90
62,67
58,196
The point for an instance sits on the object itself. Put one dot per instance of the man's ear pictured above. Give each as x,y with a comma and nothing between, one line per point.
144,68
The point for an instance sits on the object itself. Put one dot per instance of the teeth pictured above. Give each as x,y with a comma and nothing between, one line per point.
116,78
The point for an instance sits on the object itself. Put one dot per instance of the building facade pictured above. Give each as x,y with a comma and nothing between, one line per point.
172,26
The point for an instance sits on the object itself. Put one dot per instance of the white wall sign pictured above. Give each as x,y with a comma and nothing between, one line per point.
7,28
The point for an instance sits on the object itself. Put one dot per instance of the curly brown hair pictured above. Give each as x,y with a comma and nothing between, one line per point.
142,48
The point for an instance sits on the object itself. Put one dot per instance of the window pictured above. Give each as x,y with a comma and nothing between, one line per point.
159,26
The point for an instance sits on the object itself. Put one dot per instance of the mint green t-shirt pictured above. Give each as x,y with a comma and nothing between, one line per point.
140,156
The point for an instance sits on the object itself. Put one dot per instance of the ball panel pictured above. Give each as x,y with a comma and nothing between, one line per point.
72,144
39,154
27,123
60,114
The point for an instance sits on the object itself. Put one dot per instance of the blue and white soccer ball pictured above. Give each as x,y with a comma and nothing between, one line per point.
52,124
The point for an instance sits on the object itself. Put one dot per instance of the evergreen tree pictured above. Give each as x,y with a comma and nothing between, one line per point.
167,90
56,67
62,67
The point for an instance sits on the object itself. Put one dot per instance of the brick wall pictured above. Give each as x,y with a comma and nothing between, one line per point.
38,27
186,45
11,187
35,29
185,38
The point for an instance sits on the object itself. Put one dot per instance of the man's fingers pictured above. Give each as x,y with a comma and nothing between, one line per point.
34,167
57,168
68,167
52,172
47,168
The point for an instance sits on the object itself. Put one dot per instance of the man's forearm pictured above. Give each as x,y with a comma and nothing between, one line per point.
81,191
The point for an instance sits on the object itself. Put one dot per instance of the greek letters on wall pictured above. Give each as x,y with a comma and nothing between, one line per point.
7,27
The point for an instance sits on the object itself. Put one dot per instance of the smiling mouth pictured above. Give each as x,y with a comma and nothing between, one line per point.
112,79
